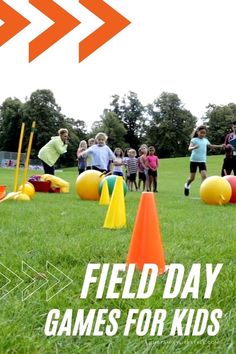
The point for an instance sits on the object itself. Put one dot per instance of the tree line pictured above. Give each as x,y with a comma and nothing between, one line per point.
164,123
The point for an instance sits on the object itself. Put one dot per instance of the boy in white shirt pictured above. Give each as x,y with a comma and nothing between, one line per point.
100,152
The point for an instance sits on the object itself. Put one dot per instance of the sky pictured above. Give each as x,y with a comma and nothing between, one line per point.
181,46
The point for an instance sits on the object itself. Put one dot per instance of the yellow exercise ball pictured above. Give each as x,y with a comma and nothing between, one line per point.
87,185
215,190
28,189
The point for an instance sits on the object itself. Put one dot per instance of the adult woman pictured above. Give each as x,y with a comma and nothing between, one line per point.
229,163
50,152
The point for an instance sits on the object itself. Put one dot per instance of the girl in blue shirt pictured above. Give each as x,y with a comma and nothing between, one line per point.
198,147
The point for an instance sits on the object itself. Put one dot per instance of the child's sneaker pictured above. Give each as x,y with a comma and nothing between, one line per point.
186,189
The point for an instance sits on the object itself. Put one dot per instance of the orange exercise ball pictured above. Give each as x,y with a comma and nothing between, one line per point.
87,185
215,190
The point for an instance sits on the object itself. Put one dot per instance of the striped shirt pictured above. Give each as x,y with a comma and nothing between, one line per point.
132,165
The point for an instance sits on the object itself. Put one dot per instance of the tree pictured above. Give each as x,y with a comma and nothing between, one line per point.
115,130
130,111
79,128
170,125
219,120
42,107
113,127
10,123
116,106
95,128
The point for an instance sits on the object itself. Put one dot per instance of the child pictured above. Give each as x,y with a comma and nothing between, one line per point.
198,147
143,163
100,152
81,159
132,169
125,159
89,160
152,164
141,171
118,162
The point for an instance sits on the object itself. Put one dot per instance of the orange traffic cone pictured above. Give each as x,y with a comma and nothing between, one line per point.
116,215
105,197
3,191
146,245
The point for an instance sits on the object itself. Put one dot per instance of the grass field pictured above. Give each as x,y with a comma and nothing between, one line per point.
68,233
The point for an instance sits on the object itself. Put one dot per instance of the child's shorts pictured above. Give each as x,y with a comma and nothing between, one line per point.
152,173
132,177
142,176
117,173
194,165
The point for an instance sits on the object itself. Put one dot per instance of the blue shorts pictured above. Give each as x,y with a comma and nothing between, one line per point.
117,173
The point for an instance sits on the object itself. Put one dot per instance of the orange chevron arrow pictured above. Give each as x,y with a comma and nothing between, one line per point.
13,22
114,22
63,24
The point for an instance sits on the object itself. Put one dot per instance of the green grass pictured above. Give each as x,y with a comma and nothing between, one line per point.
68,232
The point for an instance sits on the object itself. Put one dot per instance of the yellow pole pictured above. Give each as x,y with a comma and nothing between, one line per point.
18,157
28,155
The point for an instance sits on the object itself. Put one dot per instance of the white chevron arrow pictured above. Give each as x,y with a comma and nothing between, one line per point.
63,277
26,269
9,275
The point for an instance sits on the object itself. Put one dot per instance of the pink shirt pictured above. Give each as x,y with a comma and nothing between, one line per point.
152,161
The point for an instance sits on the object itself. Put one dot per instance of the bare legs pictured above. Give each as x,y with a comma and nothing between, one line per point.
191,179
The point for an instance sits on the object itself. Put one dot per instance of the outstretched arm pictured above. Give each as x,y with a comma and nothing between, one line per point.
215,146
84,152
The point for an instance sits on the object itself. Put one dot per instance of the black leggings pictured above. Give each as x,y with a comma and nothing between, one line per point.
229,165
48,169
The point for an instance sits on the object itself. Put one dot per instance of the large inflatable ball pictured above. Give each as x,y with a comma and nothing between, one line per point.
232,182
28,189
215,190
111,180
87,185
